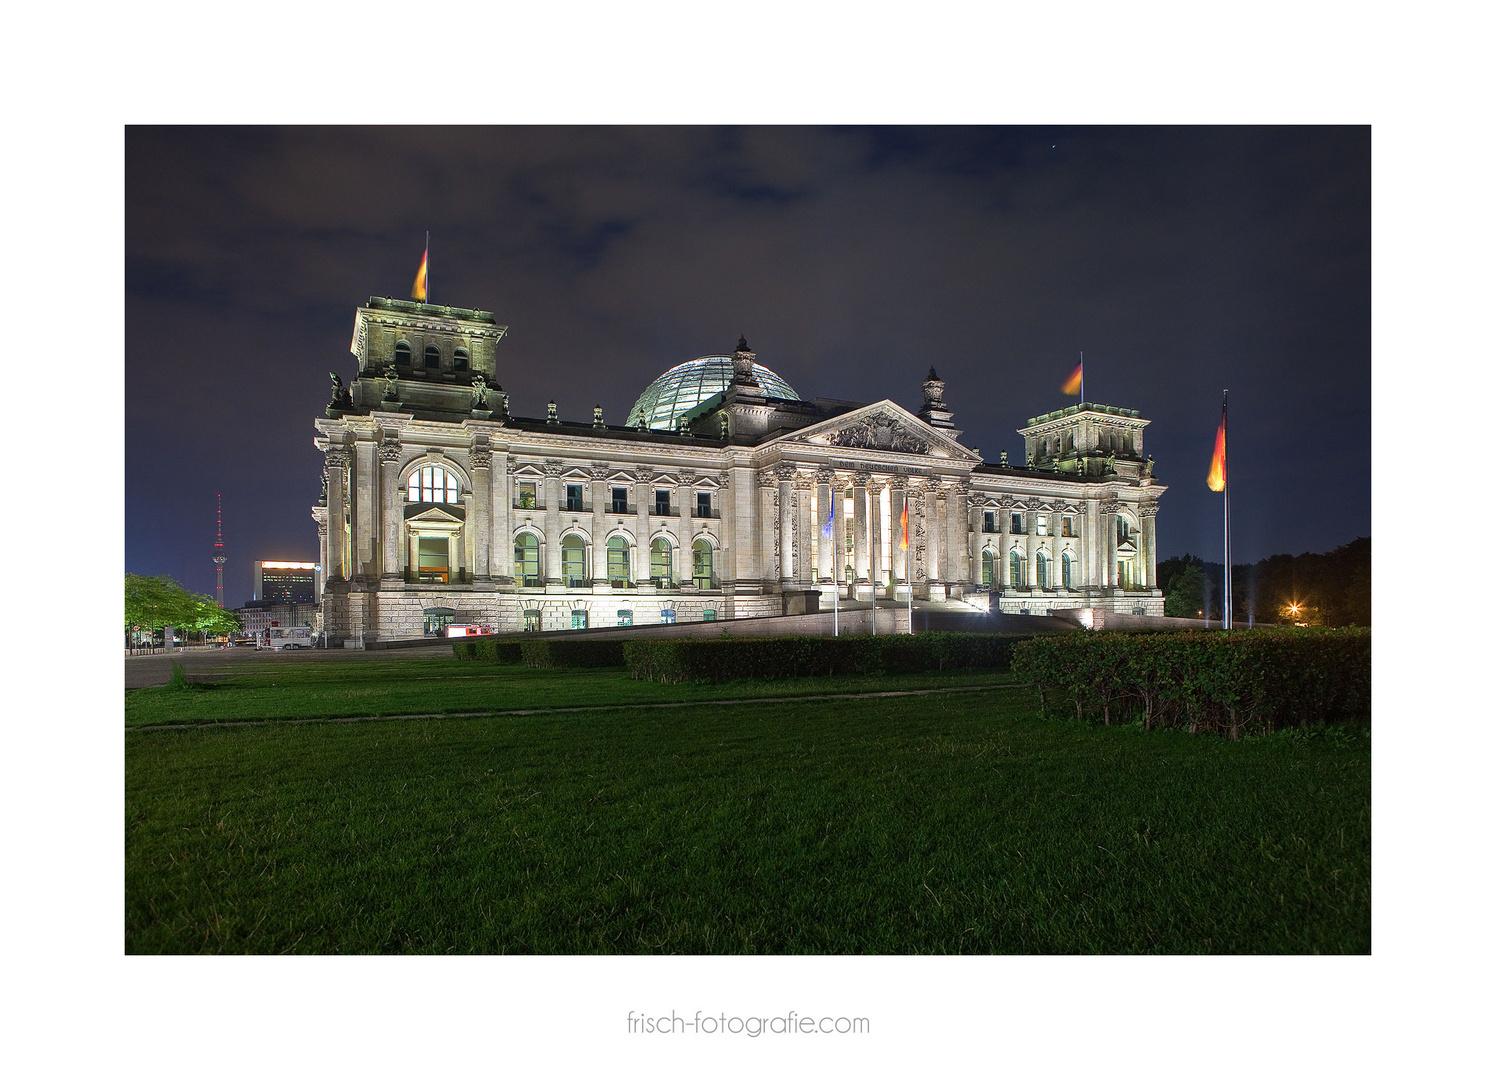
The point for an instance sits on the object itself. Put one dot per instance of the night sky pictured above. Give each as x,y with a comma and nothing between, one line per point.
1183,261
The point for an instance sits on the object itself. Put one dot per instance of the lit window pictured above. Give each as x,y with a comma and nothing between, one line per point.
402,353
659,562
1066,563
1015,569
573,561
1067,526
579,620
1041,570
1041,524
667,616
432,484
526,500
459,359
625,617
701,564
709,615
618,562
987,568
527,560
532,620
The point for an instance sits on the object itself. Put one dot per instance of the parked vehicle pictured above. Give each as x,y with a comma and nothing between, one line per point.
467,630
289,637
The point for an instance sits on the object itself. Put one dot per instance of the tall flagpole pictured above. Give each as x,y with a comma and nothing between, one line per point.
1226,518
428,266
1083,376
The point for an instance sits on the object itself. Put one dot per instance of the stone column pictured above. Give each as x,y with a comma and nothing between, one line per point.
932,533
825,567
482,515
1109,540
805,568
875,536
1148,562
502,499
601,501
391,512
1000,579
785,530
859,526
644,482
1030,547
552,496
322,548
363,499
336,463
958,534
899,556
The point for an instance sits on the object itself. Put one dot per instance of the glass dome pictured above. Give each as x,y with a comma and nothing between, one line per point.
687,385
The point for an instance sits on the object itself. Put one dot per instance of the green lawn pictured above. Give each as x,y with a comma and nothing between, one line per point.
950,823
402,687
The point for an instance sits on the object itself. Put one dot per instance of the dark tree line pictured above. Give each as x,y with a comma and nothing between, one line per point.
1332,588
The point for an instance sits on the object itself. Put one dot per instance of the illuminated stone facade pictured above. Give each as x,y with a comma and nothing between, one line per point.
445,507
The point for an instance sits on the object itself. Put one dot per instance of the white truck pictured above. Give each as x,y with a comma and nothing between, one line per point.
288,637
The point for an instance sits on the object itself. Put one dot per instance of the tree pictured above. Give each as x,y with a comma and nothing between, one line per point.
1185,593
154,602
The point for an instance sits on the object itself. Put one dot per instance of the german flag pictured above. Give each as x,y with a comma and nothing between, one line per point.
418,290
904,525
1216,481
1076,380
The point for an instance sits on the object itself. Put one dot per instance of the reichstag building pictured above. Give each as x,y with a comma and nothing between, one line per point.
726,495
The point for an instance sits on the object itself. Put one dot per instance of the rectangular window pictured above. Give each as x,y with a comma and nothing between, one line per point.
1041,524
579,620
709,615
532,621
620,500
989,521
1067,526
527,496
662,502
573,496
667,616
704,504
1016,525
432,552
625,617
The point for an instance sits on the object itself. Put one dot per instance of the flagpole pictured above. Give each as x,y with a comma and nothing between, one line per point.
1083,376
1226,519
427,260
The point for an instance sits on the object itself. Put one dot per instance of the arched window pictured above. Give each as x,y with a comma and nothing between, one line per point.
1067,565
1015,569
433,356
1041,569
459,359
701,564
987,568
527,560
573,561
618,562
659,562
402,353
432,484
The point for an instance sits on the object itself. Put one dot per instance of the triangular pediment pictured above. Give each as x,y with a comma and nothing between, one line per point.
882,426
434,515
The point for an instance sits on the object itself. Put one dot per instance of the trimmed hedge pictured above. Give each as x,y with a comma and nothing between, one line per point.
494,650
547,652
1224,681
677,660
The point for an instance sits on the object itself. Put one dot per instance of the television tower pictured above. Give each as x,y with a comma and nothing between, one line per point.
218,556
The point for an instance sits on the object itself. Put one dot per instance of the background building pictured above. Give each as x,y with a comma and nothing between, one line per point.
725,494
288,582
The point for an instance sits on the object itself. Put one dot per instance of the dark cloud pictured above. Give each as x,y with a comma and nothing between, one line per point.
1182,260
